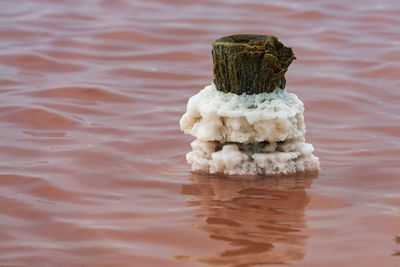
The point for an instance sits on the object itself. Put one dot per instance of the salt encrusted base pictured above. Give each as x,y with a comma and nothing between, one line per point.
236,159
247,134
212,115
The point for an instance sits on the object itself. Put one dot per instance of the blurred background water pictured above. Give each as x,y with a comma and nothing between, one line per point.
92,161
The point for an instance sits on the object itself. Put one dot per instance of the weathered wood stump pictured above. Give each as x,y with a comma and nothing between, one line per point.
250,63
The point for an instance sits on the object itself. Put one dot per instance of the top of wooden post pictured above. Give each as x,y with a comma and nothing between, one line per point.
250,63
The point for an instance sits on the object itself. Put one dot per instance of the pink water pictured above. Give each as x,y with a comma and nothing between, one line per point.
92,161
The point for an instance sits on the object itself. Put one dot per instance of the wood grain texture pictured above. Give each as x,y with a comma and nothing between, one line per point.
250,63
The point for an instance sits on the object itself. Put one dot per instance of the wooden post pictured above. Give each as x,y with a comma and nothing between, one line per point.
250,63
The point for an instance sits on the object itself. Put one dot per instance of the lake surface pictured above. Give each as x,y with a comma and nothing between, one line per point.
92,161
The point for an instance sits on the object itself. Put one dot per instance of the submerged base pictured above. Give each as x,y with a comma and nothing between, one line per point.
247,134
237,159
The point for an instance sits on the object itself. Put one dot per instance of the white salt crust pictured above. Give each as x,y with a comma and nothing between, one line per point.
247,134
212,115
291,157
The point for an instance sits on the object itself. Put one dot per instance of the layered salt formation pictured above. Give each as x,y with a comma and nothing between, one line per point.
245,122
247,134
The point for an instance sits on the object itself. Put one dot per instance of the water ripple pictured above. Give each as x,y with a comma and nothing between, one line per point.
92,162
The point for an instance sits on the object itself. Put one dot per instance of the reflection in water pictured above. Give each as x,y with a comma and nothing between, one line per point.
397,253
261,219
